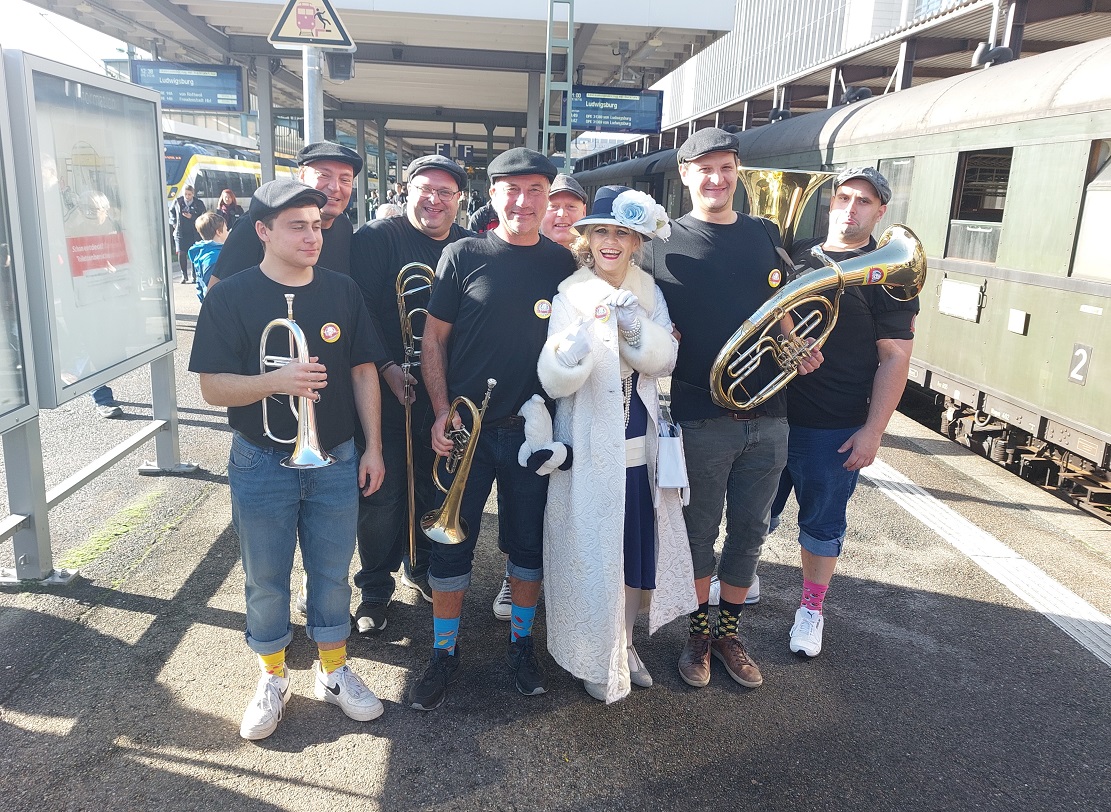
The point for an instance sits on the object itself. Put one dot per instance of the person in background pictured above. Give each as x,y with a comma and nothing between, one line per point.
184,212
838,413
213,230
228,208
614,543
484,219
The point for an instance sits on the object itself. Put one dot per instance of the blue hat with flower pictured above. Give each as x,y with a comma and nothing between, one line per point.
629,208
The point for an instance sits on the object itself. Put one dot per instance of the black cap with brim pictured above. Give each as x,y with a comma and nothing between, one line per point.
441,163
284,193
328,151
703,142
521,161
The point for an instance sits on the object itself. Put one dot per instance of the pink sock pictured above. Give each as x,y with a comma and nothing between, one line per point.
813,594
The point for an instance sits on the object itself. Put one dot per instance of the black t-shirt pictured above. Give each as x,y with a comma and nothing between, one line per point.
498,298
713,277
836,395
229,331
243,249
379,250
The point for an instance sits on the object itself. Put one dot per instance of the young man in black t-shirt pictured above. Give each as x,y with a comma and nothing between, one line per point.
380,249
839,413
274,505
327,167
718,267
488,320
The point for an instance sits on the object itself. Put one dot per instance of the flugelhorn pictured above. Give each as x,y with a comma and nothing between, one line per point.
898,263
413,278
445,525
307,452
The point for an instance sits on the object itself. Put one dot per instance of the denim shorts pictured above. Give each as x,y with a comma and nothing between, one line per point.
521,499
733,467
272,507
816,472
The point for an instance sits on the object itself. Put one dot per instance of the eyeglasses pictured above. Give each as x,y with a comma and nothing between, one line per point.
428,191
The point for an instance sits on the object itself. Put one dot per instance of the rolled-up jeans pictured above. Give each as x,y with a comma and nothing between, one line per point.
271,508
733,467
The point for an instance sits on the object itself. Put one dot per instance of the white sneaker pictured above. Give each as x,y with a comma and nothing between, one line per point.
302,605
265,710
806,633
752,597
503,603
344,688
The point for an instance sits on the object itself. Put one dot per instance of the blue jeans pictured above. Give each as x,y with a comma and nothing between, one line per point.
733,466
822,487
521,499
103,396
271,507
384,515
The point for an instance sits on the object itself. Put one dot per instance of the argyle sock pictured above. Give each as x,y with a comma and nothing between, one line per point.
333,658
446,630
521,618
813,594
699,620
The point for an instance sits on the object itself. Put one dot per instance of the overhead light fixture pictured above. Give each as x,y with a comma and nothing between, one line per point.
655,42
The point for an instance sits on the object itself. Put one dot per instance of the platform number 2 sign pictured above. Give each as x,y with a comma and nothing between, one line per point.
1078,364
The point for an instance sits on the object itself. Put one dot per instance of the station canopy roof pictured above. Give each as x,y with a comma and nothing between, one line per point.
425,66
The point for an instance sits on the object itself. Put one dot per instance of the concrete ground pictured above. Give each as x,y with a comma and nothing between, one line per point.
938,688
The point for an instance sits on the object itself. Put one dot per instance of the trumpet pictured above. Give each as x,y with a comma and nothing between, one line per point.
898,263
413,278
307,452
445,525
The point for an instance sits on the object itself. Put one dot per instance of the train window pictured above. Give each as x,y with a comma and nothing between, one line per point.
981,192
1090,260
900,175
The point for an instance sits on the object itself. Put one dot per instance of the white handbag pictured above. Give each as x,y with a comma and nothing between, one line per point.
671,464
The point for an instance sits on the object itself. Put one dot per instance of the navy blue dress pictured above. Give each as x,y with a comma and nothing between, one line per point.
640,514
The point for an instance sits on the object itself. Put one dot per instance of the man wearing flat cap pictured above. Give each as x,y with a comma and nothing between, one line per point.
718,267
838,414
567,204
379,251
276,501
327,167
488,322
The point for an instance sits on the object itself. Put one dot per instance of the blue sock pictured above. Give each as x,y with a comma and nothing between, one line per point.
520,622
445,631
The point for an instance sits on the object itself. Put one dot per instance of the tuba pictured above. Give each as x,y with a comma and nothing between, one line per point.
445,525
898,263
414,278
307,452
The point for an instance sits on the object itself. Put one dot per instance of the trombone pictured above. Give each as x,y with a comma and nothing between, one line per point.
307,452
413,278
445,525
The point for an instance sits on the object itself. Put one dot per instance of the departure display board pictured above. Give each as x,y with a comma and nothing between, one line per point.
616,110
185,86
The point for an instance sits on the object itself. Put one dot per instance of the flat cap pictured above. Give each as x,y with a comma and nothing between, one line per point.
283,193
873,176
703,142
566,183
441,163
327,151
521,161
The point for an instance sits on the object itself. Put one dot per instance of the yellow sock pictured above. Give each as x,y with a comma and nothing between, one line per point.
273,663
333,658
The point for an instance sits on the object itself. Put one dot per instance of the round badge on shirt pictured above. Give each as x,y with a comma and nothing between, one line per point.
330,332
775,277
602,313
542,309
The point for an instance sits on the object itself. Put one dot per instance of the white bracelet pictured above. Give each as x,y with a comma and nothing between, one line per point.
632,335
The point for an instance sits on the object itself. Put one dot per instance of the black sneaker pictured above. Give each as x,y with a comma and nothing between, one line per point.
419,583
528,674
429,693
370,617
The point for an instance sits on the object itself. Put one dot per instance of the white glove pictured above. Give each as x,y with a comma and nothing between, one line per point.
574,346
624,306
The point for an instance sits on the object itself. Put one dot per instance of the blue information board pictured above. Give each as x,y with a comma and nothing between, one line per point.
186,86
616,110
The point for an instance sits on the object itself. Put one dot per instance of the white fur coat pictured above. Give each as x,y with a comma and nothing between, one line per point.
584,522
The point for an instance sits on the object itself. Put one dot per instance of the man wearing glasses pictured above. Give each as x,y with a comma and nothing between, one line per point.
379,250
327,167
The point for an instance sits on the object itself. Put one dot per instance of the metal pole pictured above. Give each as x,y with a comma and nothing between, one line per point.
313,95
27,497
361,184
164,401
265,118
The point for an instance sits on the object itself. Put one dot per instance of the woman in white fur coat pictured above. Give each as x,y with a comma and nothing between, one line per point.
614,544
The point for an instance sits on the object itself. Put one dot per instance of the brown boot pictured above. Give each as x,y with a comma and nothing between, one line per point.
740,666
694,662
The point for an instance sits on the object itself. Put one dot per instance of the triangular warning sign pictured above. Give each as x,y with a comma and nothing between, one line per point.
310,22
